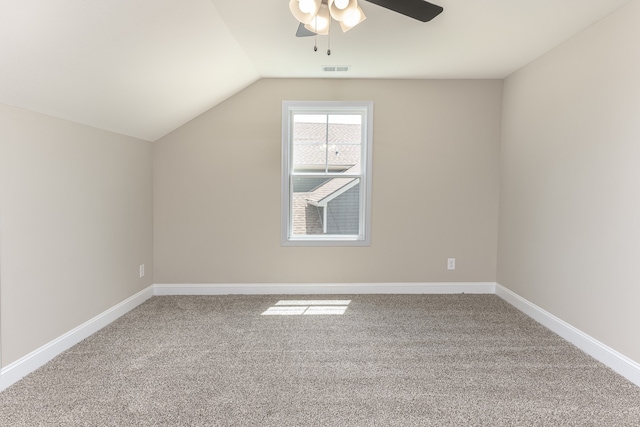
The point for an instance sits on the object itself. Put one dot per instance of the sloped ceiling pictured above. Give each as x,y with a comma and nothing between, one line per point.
144,67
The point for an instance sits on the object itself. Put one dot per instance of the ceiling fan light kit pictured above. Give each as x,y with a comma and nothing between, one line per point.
315,15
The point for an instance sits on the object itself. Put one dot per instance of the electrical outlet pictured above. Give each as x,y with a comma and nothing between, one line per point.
141,271
451,264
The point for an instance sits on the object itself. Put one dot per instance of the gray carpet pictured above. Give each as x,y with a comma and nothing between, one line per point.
390,360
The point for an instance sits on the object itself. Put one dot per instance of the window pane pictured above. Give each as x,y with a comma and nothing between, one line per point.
345,140
325,206
326,143
309,143
306,218
343,212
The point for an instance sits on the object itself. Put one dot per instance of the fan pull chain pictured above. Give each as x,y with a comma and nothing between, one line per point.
315,37
329,40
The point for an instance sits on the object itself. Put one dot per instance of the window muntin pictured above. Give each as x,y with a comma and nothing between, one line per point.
326,173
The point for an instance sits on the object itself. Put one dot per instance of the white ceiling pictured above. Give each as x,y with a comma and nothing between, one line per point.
145,67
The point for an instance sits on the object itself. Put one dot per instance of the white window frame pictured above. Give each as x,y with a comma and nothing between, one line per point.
289,108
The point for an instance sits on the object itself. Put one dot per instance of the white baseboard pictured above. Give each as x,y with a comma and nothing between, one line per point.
325,288
599,351
37,358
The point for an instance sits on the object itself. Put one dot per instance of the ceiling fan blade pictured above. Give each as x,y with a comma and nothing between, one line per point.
303,32
416,9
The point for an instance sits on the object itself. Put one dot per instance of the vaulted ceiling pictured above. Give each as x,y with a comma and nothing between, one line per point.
144,67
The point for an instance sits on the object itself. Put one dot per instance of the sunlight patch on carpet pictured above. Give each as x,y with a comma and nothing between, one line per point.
307,307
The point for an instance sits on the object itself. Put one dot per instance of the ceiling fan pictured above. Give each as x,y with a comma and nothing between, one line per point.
315,15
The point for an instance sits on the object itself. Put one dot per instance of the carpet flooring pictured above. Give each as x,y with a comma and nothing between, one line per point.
389,360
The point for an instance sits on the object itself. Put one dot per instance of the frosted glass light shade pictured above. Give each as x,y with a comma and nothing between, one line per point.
312,6
352,19
338,13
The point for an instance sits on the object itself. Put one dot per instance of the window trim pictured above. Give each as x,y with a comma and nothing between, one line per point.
288,109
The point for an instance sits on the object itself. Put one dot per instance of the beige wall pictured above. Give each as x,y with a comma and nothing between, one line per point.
569,238
435,187
75,224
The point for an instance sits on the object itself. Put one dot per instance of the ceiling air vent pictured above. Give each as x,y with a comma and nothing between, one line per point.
335,68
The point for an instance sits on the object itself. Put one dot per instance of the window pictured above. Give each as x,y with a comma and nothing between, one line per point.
326,173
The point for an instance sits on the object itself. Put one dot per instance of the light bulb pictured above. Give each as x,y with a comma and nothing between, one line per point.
319,24
341,4
306,6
